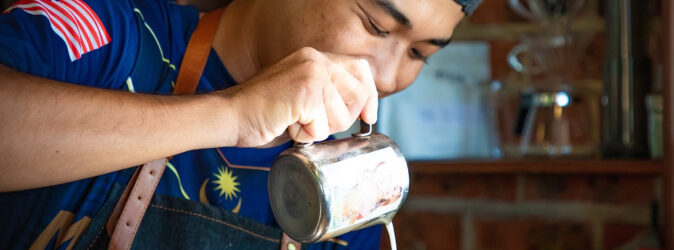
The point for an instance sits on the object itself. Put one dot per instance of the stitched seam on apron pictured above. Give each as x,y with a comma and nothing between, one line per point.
216,220
91,244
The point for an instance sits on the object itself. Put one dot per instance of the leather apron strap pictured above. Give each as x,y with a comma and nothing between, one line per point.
196,53
129,210
288,243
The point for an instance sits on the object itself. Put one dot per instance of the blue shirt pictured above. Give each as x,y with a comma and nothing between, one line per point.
97,43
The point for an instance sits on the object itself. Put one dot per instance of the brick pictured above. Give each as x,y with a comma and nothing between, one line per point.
498,58
425,230
489,187
514,233
616,235
591,65
601,189
494,12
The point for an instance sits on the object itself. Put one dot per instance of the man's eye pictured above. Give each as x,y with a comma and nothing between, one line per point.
417,55
378,31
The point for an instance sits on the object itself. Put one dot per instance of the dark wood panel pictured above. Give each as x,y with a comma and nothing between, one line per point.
549,166
668,129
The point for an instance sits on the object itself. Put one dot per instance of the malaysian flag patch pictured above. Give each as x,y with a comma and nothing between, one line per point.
73,20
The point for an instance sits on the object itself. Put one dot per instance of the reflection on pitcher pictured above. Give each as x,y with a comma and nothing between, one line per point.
324,190
375,189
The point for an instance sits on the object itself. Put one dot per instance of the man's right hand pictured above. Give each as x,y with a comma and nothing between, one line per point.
305,97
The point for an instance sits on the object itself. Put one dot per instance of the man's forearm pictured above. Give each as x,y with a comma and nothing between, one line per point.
53,132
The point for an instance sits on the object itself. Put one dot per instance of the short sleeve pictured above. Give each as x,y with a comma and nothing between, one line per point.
92,43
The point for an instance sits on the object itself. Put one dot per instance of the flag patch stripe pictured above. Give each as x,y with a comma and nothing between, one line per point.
72,20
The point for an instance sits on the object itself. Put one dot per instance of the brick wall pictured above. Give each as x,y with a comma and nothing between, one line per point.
556,212
523,211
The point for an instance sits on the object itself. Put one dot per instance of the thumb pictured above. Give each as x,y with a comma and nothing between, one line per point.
298,133
315,130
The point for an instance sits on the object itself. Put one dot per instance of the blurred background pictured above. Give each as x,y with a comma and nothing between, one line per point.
539,127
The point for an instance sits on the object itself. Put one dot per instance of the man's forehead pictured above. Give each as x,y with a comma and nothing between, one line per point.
394,11
467,6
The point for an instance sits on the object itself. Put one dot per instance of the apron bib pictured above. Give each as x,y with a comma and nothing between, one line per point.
175,223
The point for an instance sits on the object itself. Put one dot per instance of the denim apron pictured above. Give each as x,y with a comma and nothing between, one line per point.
175,223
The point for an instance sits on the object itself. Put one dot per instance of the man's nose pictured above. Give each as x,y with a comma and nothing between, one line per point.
385,65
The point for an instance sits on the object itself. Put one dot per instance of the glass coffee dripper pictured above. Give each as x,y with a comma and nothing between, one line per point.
555,48
543,109
548,53
547,12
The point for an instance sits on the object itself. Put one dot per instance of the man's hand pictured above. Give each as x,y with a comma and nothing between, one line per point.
308,95
56,132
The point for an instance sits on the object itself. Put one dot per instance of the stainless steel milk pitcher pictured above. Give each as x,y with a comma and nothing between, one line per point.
320,191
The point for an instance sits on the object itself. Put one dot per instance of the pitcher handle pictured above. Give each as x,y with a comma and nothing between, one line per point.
365,131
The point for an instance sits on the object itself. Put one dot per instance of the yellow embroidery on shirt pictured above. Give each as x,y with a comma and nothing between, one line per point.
66,229
202,193
226,183
180,184
161,52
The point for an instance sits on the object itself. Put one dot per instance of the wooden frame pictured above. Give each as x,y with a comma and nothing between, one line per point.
668,129
541,166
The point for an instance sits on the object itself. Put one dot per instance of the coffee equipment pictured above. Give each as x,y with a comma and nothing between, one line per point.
626,80
544,109
547,12
320,191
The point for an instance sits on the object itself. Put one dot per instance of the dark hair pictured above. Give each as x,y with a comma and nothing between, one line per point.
468,6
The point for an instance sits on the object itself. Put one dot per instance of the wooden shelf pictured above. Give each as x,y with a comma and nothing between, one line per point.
512,31
539,166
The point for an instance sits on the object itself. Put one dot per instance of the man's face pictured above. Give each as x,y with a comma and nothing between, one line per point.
395,36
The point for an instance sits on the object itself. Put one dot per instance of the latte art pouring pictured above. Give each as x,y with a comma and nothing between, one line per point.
391,235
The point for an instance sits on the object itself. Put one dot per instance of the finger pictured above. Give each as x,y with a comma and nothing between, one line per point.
352,92
369,114
360,69
339,116
313,125
294,130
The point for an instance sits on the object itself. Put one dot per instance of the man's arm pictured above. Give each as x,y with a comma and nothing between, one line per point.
54,132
